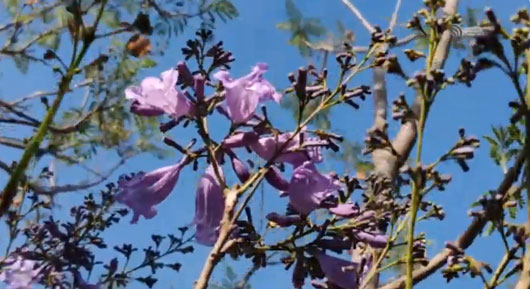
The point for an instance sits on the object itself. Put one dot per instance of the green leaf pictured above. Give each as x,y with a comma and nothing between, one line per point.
471,17
111,19
285,26
21,62
147,63
63,17
292,12
313,27
50,41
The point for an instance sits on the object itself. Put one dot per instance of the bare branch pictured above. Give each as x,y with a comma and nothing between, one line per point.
380,98
38,94
32,16
80,186
359,15
393,20
70,187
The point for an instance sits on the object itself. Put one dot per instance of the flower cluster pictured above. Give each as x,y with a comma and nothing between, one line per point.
307,189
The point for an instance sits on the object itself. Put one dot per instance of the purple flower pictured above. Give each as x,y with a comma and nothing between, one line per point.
19,273
281,147
372,239
240,168
339,272
347,210
294,151
156,96
244,94
209,208
240,139
309,189
275,179
144,191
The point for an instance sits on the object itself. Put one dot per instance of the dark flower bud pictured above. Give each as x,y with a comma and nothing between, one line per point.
185,78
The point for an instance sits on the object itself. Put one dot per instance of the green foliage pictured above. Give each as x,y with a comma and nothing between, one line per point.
230,280
224,10
501,144
302,29
22,63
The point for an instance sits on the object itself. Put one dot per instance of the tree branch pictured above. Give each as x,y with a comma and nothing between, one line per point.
359,15
393,20
469,235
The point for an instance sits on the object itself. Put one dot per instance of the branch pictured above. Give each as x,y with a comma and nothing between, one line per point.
393,20
32,16
18,144
38,94
66,188
359,15
501,267
524,279
469,235
35,123
80,186
11,187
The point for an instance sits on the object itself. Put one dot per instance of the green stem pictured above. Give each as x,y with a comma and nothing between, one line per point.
10,189
527,142
417,184
410,234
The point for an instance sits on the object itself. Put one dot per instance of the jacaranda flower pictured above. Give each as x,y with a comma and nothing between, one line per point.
144,191
240,168
347,210
339,272
376,240
309,189
156,96
283,148
19,273
244,94
275,179
209,207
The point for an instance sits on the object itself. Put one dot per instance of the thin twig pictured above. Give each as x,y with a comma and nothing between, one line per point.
393,20
359,15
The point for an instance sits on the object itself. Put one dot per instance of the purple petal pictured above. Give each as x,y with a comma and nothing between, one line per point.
244,94
308,189
240,169
145,110
209,208
284,149
240,139
345,210
338,271
374,240
275,179
159,94
19,273
144,191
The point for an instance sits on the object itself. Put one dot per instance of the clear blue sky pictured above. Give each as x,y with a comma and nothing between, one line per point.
252,37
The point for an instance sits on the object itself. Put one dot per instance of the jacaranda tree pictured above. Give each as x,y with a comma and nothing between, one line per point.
332,230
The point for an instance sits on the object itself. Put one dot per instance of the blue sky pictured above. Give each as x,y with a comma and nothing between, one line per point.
252,37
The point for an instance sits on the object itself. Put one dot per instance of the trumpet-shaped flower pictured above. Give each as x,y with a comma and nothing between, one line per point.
244,94
156,96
